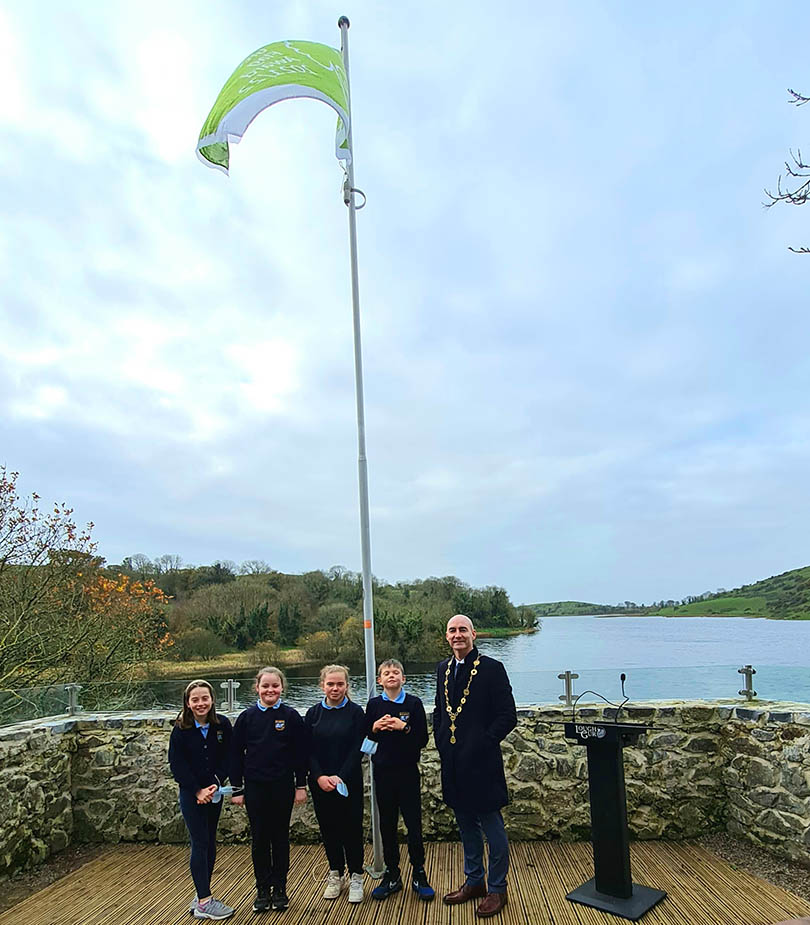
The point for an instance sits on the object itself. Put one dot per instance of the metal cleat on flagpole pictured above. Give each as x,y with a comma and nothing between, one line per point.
348,189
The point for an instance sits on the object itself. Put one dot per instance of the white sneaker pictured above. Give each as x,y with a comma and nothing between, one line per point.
356,888
334,884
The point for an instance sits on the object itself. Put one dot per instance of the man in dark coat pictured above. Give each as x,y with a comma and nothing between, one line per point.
475,711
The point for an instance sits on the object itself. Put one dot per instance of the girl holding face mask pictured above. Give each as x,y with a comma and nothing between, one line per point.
199,757
337,728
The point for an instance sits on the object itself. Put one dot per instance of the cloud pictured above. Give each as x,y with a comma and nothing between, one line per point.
583,338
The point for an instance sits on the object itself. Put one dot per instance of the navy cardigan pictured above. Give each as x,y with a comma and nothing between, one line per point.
198,761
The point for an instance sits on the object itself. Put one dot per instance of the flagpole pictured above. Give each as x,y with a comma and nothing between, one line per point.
362,461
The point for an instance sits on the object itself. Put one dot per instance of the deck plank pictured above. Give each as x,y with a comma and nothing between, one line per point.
150,885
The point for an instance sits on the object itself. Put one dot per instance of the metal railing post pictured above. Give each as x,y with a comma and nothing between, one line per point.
568,677
230,698
748,691
73,705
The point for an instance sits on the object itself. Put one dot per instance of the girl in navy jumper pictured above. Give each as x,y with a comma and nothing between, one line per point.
337,729
270,756
199,757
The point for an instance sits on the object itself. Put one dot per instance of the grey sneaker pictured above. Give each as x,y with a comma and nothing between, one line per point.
334,884
214,910
356,888
193,905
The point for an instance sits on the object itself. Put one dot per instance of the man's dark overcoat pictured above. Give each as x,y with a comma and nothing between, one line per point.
472,769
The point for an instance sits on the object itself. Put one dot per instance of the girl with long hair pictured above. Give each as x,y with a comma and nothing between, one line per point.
199,758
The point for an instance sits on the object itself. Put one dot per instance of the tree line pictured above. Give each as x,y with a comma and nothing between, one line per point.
66,615
214,608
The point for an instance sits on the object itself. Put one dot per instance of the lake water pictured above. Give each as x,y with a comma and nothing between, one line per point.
663,658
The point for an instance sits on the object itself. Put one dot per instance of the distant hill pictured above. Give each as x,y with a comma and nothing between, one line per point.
782,597
571,609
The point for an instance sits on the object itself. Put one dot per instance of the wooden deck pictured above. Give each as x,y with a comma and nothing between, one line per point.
150,885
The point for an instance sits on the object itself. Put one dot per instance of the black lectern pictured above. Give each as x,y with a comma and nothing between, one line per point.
612,888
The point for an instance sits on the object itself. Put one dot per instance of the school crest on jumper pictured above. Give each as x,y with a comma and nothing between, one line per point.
219,736
280,724
404,717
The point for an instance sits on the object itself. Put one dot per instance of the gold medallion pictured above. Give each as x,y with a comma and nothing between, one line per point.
454,714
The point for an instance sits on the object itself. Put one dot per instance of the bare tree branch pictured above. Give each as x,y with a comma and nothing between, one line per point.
795,169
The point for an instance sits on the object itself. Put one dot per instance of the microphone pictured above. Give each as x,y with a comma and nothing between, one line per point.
625,698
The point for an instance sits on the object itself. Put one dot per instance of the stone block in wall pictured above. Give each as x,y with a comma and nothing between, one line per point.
781,823
793,804
796,780
702,742
763,797
761,774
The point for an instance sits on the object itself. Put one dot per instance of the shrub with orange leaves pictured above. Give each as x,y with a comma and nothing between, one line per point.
135,607
61,618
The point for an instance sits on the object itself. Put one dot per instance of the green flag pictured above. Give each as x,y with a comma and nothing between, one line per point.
281,71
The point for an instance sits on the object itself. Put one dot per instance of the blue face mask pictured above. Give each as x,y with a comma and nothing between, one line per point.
342,789
226,791
368,747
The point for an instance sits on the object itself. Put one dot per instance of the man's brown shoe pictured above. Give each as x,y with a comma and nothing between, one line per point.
491,904
466,893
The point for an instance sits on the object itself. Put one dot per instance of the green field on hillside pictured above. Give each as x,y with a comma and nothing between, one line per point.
781,597
731,606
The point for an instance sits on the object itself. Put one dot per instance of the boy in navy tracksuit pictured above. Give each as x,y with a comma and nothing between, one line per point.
396,722
270,756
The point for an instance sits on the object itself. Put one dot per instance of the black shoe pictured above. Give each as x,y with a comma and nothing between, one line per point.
421,887
262,901
279,900
390,885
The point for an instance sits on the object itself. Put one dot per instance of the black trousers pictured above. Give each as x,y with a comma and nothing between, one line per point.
201,821
399,791
341,823
269,808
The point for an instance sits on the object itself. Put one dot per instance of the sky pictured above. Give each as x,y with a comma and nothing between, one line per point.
584,339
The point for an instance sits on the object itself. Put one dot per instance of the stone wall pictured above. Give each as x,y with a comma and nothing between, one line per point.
767,779
703,766
36,817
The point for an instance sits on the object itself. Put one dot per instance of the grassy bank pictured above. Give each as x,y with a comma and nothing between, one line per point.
246,662
499,632
237,663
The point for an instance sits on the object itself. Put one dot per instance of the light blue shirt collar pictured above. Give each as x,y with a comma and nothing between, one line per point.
263,708
326,706
398,699
203,727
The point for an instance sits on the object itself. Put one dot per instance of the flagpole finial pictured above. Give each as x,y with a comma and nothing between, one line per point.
343,21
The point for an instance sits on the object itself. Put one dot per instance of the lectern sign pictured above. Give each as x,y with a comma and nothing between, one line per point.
589,732
612,888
